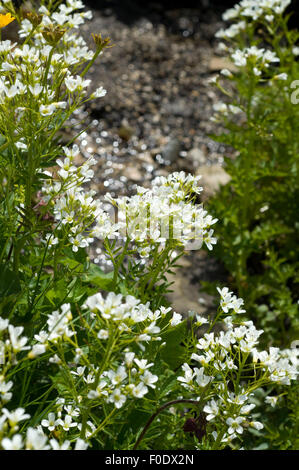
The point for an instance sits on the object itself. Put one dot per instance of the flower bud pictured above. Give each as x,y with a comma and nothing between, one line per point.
34,18
53,35
101,42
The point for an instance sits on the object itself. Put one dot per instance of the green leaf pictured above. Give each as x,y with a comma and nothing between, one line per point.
97,277
9,282
174,352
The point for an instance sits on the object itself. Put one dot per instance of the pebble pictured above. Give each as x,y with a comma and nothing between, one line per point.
212,177
197,156
171,151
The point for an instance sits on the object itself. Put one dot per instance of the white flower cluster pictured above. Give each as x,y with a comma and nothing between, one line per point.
257,61
35,439
233,353
223,109
34,77
132,322
128,315
253,10
282,365
165,211
151,217
61,17
79,217
13,343
130,380
258,58
234,412
58,329
232,31
229,301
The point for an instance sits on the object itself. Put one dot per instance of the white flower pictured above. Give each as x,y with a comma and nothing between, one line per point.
67,423
12,91
51,422
3,324
51,240
149,379
213,79
211,409
117,377
226,73
47,110
271,400
201,320
78,242
140,390
15,443
143,364
201,379
129,358
187,379
37,350
76,84
66,167
176,319
236,304
81,445
5,394
281,76
232,31
21,145
36,440
209,240
36,89
256,425
55,359
99,93
18,342
117,398
56,446
239,58
235,425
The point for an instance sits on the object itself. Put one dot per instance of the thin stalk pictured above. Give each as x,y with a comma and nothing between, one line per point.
159,410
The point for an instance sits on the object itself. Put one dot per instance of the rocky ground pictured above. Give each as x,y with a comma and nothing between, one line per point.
155,118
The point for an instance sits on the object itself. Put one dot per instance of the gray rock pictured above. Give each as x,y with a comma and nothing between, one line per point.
218,63
171,151
133,173
212,177
179,107
197,156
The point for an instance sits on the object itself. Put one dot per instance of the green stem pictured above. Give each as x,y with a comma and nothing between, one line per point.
97,52
159,410
155,273
103,423
119,262
48,66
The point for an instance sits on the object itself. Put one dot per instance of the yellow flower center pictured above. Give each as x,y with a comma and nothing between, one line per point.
5,19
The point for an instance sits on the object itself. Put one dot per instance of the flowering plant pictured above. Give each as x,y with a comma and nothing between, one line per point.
90,359
258,208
